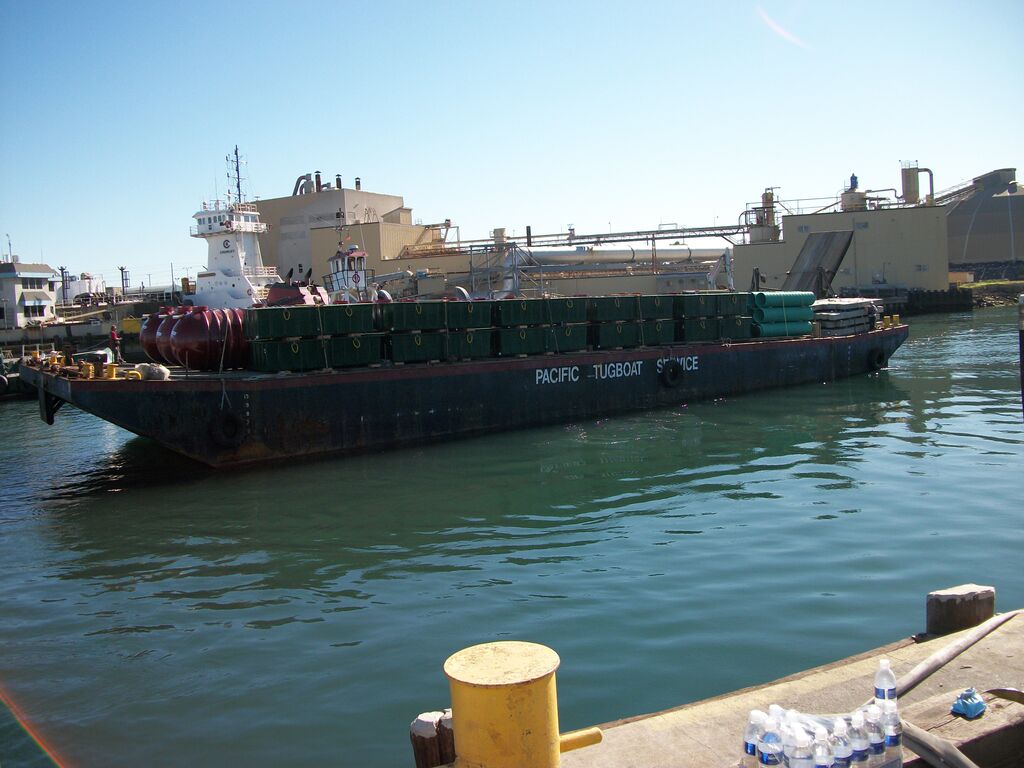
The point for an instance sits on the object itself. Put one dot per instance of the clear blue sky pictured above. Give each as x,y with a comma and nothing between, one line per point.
117,115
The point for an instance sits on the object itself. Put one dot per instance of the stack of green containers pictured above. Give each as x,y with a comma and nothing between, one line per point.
307,338
782,313
712,315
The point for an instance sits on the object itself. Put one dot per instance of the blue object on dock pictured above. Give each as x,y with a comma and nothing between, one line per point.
969,704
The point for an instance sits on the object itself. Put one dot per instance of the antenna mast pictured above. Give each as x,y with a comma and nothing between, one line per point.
235,174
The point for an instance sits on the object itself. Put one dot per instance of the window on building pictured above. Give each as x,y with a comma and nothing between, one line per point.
3,313
35,311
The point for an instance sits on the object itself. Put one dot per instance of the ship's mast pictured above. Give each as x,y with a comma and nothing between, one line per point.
238,175
235,174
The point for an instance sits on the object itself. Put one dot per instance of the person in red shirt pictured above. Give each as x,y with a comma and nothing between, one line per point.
115,344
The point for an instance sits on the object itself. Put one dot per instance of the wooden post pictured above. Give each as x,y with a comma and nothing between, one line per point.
446,736
956,608
426,746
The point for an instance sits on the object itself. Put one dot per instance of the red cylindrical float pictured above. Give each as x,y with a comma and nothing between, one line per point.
190,340
147,335
163,335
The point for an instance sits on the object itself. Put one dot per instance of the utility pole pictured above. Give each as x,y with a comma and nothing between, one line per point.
124,279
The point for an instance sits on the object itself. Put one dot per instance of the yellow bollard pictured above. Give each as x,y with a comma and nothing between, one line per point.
895,320
86,370
886,321
505,707
110,371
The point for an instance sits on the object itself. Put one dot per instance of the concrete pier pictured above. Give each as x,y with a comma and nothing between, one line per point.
708,734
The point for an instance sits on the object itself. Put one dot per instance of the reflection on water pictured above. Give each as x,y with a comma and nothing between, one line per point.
301,612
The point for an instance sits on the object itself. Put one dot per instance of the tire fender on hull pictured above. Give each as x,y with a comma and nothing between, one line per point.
876,359
227,430
671,374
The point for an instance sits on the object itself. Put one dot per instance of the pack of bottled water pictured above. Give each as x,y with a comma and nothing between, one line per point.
869,737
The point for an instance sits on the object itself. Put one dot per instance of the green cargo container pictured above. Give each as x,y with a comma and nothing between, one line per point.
567,310
696,305
700,329
735,328
283,322
412,315
520,341
337,319
470,314
469,344
607,309
347,351
416,347
656,307
658,332
613,335
510,312
730,304
297,355
567,338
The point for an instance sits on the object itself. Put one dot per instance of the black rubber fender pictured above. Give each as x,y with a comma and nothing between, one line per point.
227,430
671,374
876,360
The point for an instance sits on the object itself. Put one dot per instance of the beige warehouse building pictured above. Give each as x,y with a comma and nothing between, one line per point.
891,248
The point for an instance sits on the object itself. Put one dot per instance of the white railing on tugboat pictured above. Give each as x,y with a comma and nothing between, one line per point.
259,271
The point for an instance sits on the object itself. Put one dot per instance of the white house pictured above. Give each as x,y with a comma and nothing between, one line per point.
27,294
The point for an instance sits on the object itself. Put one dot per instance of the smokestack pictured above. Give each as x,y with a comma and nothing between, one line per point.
359,184
337,181
319,186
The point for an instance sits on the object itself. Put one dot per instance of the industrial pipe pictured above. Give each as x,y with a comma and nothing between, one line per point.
931,184
300,187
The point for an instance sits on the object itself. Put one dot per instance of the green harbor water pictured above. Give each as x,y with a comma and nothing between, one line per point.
153,612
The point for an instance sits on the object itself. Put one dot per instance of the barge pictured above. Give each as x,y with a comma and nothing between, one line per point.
353,392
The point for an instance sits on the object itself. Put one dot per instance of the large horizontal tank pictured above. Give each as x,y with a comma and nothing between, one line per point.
591,255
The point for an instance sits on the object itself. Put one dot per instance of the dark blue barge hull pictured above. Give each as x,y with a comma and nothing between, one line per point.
242,417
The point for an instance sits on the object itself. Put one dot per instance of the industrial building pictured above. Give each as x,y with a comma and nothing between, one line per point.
901,243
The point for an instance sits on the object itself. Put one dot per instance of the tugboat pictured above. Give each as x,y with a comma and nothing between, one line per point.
235,276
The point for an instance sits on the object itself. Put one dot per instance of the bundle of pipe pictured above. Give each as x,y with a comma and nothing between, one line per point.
781,313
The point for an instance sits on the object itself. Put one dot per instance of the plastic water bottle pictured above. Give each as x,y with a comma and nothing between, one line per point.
842,751
755,729
885,683
769,748
802,754
823,757
876,737
787,729
893,730
858,740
